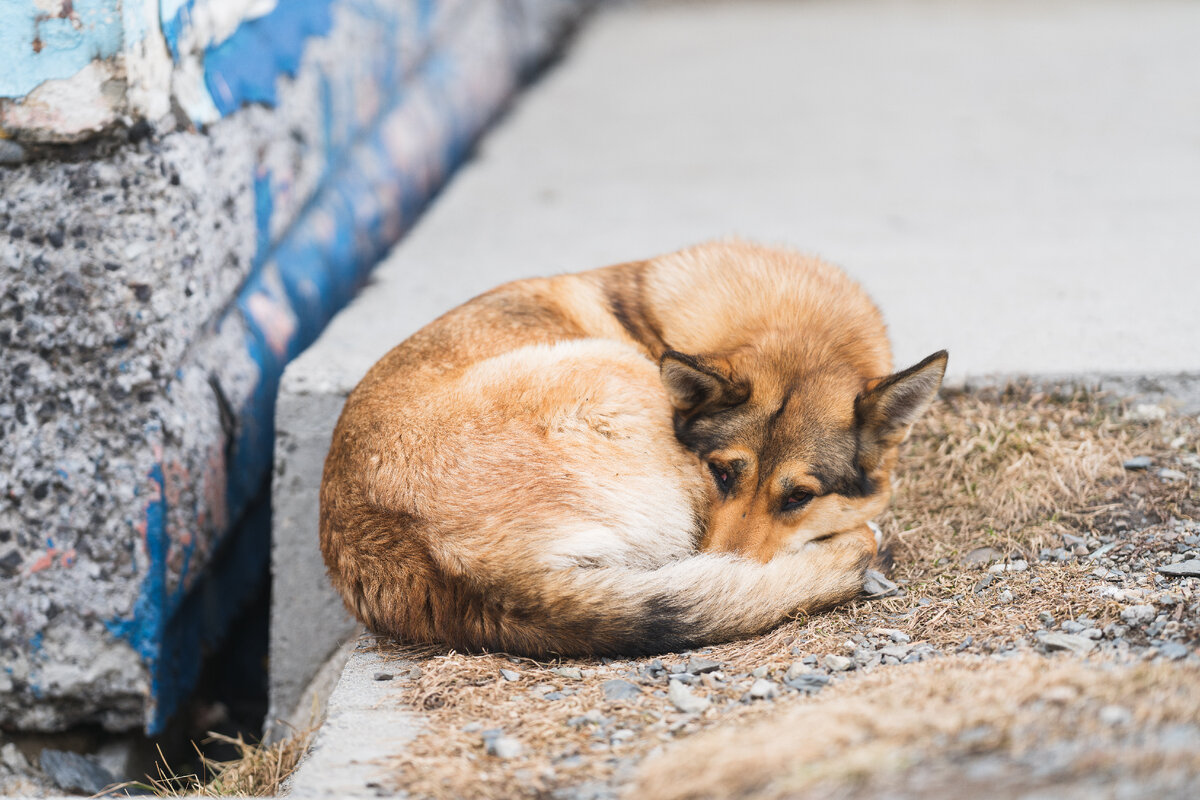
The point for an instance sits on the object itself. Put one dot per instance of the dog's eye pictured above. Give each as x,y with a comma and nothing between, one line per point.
797,500
723,476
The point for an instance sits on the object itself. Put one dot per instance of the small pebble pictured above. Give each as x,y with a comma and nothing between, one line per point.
1138,614
1115,715
876,585
571,673
699,665
684,700
384,676
1171,475
73,772
761,672
1138,462
504,747
1173,651
982,555
1066,641
1183,569
763,689
838,663
808,684
509,675
1017,565
1146,412
618,689
795,670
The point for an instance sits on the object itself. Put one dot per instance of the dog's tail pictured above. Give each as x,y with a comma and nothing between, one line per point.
623,611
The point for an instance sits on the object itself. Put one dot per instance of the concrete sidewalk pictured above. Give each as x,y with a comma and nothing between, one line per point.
1018,182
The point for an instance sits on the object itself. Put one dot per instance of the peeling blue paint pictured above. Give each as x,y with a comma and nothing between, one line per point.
176,16
264,204
39,47
143,629
243,68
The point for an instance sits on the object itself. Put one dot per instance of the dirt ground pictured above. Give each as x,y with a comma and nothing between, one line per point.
1041,641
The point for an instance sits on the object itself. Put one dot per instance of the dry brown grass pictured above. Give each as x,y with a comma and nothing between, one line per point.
865,734
260,770
1011,470
1015,469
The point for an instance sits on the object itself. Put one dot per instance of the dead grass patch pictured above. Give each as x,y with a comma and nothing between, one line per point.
866,733
1012,470
1016,469
260,770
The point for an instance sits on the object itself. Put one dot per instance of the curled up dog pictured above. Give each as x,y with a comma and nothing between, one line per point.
641,458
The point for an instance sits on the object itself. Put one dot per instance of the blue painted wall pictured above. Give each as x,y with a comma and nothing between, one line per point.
453,61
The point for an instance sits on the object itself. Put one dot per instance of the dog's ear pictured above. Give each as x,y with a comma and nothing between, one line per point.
889,407
696,385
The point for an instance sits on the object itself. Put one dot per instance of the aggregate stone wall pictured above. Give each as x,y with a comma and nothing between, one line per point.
171,234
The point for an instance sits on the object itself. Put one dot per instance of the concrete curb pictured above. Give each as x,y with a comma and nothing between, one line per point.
364,726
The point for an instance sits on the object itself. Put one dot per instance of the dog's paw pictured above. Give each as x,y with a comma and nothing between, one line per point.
883,560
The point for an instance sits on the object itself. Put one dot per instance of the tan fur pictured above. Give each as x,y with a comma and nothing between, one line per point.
534,471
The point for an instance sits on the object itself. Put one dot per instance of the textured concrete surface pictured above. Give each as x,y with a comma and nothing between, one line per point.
112,426
307,617
361,730
151,291
1017,182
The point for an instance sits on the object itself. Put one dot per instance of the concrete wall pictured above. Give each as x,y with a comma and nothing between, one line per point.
192,189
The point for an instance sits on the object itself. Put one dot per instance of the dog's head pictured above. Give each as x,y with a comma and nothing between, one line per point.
794,455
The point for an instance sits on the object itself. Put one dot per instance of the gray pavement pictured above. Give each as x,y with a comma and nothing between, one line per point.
1016,181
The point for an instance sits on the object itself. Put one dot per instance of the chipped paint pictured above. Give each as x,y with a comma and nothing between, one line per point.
244,67
67,109
43,41
78,68
75,69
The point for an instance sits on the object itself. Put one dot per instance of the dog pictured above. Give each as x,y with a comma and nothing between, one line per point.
646,457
